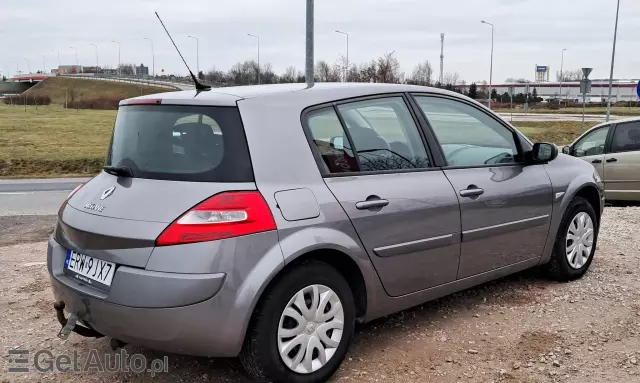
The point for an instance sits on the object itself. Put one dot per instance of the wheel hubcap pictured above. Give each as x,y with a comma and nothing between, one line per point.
310,329
579,240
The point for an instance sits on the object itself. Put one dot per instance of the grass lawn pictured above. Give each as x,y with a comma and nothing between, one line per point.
60,87
616,111
556,132
53,141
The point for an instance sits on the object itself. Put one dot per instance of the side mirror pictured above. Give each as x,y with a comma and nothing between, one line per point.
544,152
566,149
337,142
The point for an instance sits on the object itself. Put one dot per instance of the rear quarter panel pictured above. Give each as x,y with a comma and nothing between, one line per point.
282,160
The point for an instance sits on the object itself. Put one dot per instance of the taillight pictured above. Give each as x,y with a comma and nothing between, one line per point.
74,191
224,215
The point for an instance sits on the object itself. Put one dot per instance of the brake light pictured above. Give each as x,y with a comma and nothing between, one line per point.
224,215
145,101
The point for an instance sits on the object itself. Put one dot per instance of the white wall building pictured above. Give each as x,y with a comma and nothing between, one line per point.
623,90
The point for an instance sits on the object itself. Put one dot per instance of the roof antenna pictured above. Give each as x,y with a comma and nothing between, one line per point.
199,85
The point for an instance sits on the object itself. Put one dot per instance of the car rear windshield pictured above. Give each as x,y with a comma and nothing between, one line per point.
181,143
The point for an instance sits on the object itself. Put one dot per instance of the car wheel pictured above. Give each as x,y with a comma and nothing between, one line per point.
575,241
302,327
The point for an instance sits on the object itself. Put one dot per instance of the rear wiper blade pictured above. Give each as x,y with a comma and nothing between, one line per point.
119,171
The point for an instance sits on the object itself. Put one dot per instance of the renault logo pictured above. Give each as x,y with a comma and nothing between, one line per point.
107,192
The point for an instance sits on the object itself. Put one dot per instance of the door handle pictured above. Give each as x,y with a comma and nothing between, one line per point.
364,205
612,159
471,191
596,161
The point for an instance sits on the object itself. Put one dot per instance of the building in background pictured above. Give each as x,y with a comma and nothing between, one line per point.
69,69
142,70
622,90
542,73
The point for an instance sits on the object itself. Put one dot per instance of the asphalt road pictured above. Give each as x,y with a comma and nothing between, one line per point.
28,207
34,196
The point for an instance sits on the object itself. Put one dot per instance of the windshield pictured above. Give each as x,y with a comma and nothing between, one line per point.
181,143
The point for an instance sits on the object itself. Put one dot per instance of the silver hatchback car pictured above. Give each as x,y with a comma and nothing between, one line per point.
614,150
264,222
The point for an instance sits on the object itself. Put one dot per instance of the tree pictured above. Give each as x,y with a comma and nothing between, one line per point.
325,73
494,94
353,75
388,69
367,72
127,69
473,90
534,95
216,77
289,75
569,75
450,79
421,74
267,76
517,80
201,75
341,69
505,97
519,98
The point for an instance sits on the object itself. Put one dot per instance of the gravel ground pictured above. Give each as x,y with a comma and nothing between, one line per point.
523,328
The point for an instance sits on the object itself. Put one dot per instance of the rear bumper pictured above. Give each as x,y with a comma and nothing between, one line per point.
179,330
195,314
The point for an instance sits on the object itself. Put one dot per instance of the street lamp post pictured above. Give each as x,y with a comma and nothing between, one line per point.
197,55
613,57
96,57
257,37
153,57
119,70
346,69
491,67
561,72
44,64
28,65
53,50
77,65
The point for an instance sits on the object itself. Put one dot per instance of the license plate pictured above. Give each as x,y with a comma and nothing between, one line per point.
89,270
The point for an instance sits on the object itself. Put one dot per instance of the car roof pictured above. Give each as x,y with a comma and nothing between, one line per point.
628,119
322,92
619,121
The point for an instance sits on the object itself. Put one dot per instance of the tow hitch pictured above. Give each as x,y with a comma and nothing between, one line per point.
70,324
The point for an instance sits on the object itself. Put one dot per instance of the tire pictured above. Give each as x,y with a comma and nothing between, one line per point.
260,354
559,267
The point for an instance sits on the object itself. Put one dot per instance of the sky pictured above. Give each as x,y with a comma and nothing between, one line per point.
527,33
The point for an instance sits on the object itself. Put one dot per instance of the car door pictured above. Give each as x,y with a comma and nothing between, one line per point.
591,148
622,163
505,205
373,159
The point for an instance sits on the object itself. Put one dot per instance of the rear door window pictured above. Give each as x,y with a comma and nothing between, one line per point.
181,143
384,134
380,135
626,137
